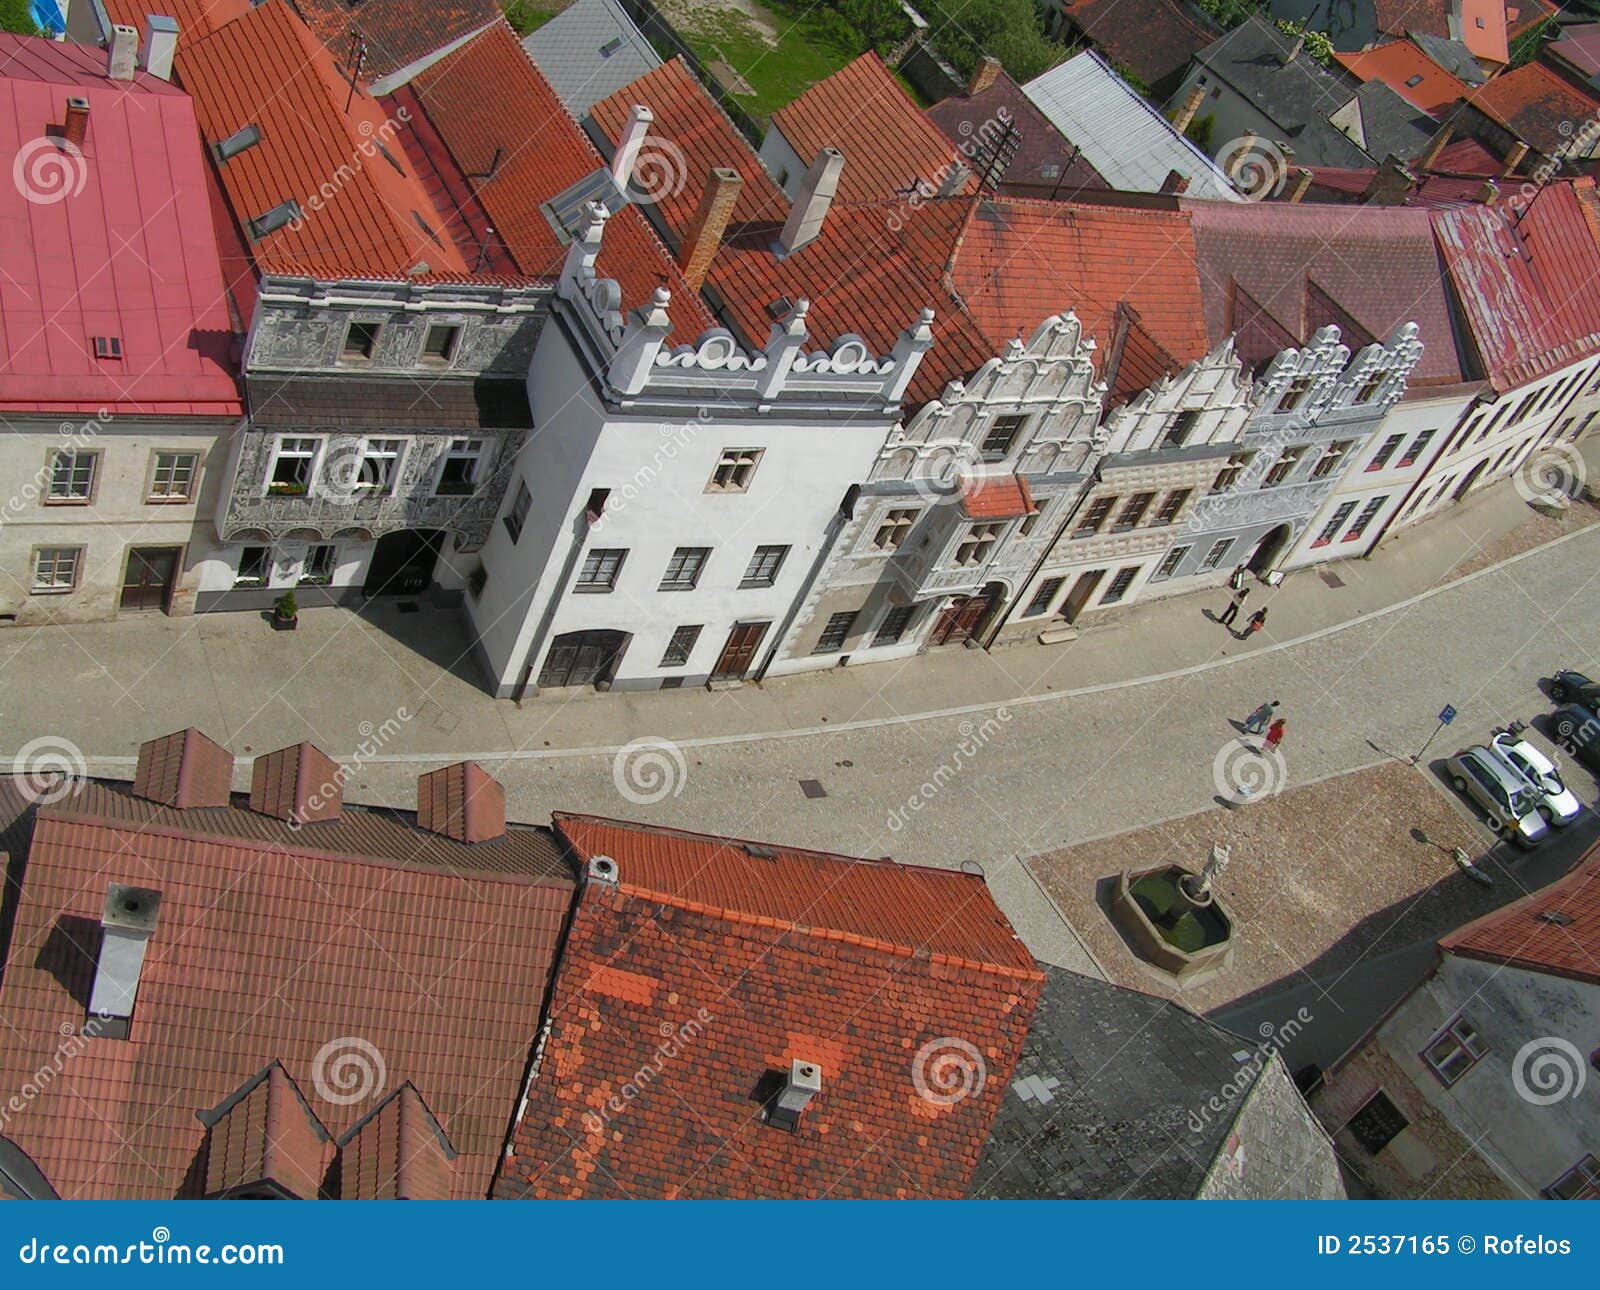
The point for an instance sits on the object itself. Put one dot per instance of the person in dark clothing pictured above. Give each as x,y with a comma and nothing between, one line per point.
1235,603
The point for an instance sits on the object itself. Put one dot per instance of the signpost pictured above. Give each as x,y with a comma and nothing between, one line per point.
1447,714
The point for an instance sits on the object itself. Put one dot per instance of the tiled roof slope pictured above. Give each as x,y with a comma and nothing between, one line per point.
1536,105
196,19
265,1134
1529,291
1578,49
399,1152
396,33
273,944
266,69
506,130
1153,39
888,144
1044,164
1378,266
129,254
714,964
1397,64
1554,930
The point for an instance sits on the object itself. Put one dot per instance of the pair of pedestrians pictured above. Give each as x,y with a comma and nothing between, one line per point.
1256,621
1265,718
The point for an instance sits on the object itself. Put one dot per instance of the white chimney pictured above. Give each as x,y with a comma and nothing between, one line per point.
803,1084
122,56
603,870
127,922
811,203
633,135
160,44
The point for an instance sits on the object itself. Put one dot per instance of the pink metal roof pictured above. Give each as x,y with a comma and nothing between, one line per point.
112,240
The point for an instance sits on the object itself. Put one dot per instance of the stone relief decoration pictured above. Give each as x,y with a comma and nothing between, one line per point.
1322,363
1216,388
1390,363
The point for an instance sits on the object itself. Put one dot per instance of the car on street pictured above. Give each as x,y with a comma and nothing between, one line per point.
1574,687
1503,795
1556,802
1578,731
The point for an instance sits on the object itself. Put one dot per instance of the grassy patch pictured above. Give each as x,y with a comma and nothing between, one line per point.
529,15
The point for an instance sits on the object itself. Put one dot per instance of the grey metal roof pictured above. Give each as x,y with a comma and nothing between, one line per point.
590,51
1451,55
1123,137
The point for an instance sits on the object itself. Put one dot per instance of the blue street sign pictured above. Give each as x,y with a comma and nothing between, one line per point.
1447,715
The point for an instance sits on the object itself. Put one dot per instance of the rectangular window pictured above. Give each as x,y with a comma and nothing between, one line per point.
1370,387
1332,459
892,529
1172,506
72,476
319,565
291,466
360,342
683,570
254,562
1030,521
1581,1182
681,646
1181,428
1454,1051
1284,466
977,544
517,516
1295,394
894,625
1120,584
55,568
1386,449
172,476
1228,476
1330,530
1217,554
458,473
1369,512
1414,450
600,569
735,468
439,345
1095,517
835,633
1378,1123
1170,562
380,466
764,565
1040,603
1133,511
1002,434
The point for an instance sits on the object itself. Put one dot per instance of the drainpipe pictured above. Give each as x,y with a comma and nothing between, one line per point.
830,539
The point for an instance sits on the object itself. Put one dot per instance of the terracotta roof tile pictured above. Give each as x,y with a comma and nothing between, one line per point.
904,986
1153,39
1000,497
1400,63
463,802
396,33
400,1152
265,1136
1535,104
1554,930
889,146
300,783
196,19
184,770
1044,163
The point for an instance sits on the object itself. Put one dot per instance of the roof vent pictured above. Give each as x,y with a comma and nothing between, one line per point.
780,308
611,46
463,802
185,770
803,1084
301,784
160,45
127,922
603,869
759,851
122,55
226,149
1554,917
281,214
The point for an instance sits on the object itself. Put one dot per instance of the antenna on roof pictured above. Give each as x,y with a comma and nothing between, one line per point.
494,165
993,161
358,57
483,248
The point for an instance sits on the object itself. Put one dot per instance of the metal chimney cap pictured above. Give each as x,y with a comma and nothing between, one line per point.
805,1075
603,869
130,908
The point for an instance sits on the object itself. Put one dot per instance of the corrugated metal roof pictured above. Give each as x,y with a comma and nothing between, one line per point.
1121,135
588,51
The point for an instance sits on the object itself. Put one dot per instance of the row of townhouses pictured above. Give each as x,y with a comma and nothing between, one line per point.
441,341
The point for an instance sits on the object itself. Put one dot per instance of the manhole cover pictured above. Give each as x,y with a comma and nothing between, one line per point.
1331,578
813,788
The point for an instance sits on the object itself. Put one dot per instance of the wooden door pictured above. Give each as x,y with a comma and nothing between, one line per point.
148,581
581,658
959,619
1082,589
740,651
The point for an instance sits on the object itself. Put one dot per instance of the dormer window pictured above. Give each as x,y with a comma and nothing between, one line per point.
226,149
108,346
280,215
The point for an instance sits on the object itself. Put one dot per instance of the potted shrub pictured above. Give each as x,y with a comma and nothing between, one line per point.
285,613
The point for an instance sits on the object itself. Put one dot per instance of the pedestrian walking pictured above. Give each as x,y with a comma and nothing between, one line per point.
1235,603
1236,578
1258,620
1274,736
1256,722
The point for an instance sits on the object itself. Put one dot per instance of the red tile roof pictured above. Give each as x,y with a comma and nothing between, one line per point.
1153,39
266,69
1483,30
1523,935
117,242
1578,48
400,1152
265,1136
1425,17
1400,63
687,989
888,144
196,19
1536,105
495,112
1044,162
396,33
273,943
1526,15
185,769
1529,291
1001,497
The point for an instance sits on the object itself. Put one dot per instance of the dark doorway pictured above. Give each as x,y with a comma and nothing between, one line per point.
583,658
1268,550
1078,597
148,581
402,563
962,617
1468,480
740,651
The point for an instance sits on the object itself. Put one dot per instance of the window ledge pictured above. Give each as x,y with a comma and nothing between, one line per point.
582,590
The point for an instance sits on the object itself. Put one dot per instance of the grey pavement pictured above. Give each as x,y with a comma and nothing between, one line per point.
1116,730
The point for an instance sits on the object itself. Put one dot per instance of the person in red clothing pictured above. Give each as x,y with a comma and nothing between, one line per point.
1274,736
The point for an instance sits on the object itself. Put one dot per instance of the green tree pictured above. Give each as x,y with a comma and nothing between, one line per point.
17,15
1012,30
873,24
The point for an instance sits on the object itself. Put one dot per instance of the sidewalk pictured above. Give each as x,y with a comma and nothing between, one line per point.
105,687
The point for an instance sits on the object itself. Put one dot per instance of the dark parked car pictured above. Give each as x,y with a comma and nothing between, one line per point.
1575,687
1578,731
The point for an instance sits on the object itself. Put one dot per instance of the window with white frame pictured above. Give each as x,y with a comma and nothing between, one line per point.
380,466
1295,394
1369,512
255,563
681,645
1386,449
1454,1051
1000,437
72,476
172,476
1284,466
317,571
1330,530
1228,476
1217,554
684,568
1133,511
1172,506
893,528
1332,458
1170,562
600,569
835,632
762,570
458,472
977,544
292,464
55,568
735,468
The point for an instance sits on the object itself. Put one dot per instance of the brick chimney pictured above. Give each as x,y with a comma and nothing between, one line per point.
76,127
1489,194
700,243
633,137
1191,105
1514,157
1302,182
185,770
984,75
463,802
1176,184
1391,184
811,203
122,55
160,45
300,783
